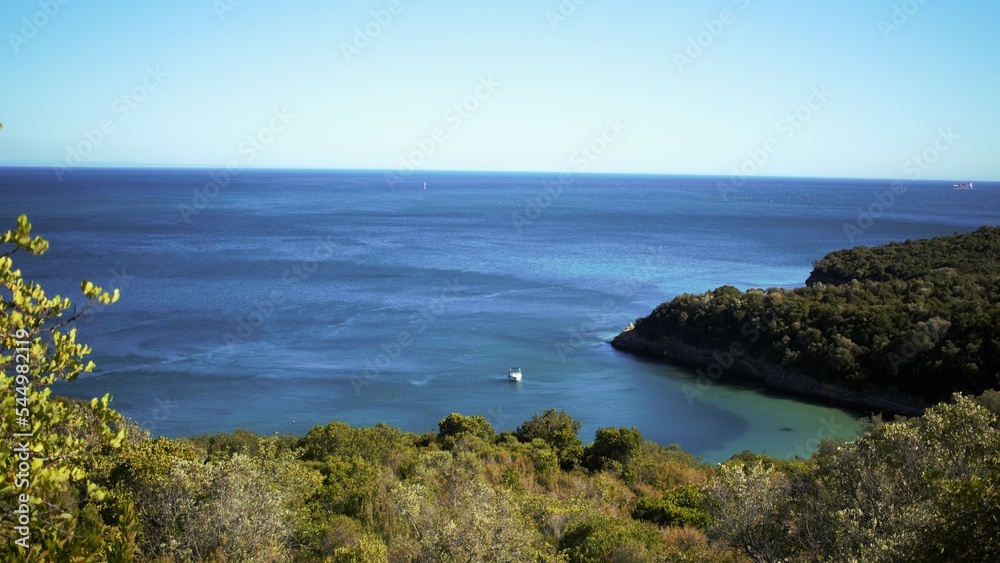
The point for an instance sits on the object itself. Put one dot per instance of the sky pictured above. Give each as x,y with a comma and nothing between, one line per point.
846,88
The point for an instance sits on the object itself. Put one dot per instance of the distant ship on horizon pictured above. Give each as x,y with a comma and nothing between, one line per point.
962,186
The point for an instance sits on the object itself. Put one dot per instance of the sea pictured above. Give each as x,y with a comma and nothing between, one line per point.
278,300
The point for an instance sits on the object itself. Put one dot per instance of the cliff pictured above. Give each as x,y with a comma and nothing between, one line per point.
774,377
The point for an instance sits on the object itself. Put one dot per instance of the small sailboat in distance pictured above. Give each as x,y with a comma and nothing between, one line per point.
425,185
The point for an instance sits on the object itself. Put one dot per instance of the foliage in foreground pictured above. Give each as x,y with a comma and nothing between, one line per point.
923,489
46,444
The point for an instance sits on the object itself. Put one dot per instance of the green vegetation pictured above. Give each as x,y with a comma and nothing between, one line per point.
45,467
559,431
102,489
920,318
919,489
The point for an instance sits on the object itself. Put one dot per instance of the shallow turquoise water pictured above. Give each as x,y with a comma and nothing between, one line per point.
289,299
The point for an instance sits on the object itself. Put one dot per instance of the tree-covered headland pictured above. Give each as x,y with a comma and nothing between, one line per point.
917,320
96,487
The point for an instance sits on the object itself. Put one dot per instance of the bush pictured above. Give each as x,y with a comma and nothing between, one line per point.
558,430
456,426
612,449
601,538
684,506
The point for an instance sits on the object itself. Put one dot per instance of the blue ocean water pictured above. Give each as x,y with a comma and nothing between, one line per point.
279,300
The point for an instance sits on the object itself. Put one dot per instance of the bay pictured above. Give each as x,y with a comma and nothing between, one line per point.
278,300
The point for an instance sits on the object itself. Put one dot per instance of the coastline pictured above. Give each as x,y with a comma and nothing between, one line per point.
674,350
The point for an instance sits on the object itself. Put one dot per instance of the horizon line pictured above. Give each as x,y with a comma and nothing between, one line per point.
133,166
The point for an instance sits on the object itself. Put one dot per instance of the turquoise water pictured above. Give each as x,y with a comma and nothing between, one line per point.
281,300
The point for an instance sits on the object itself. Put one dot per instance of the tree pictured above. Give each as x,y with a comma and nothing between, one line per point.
244,508
454,426
919,489
751,504
558,430
46,443
456,516
613,449
990,400
913,322
968,527
378,444
354,487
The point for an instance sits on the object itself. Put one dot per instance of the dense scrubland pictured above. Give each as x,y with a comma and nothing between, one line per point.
927,488
99,488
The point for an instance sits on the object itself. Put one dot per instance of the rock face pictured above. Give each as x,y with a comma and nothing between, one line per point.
734,362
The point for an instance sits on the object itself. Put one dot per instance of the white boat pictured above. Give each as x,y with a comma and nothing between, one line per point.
962,186
514,374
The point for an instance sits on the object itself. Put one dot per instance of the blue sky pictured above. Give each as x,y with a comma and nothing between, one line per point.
776,88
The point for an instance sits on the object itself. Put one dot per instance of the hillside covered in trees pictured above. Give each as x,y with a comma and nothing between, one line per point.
917,320
83,483
924,489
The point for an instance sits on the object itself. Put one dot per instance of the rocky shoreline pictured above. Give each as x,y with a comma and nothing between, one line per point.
733,362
